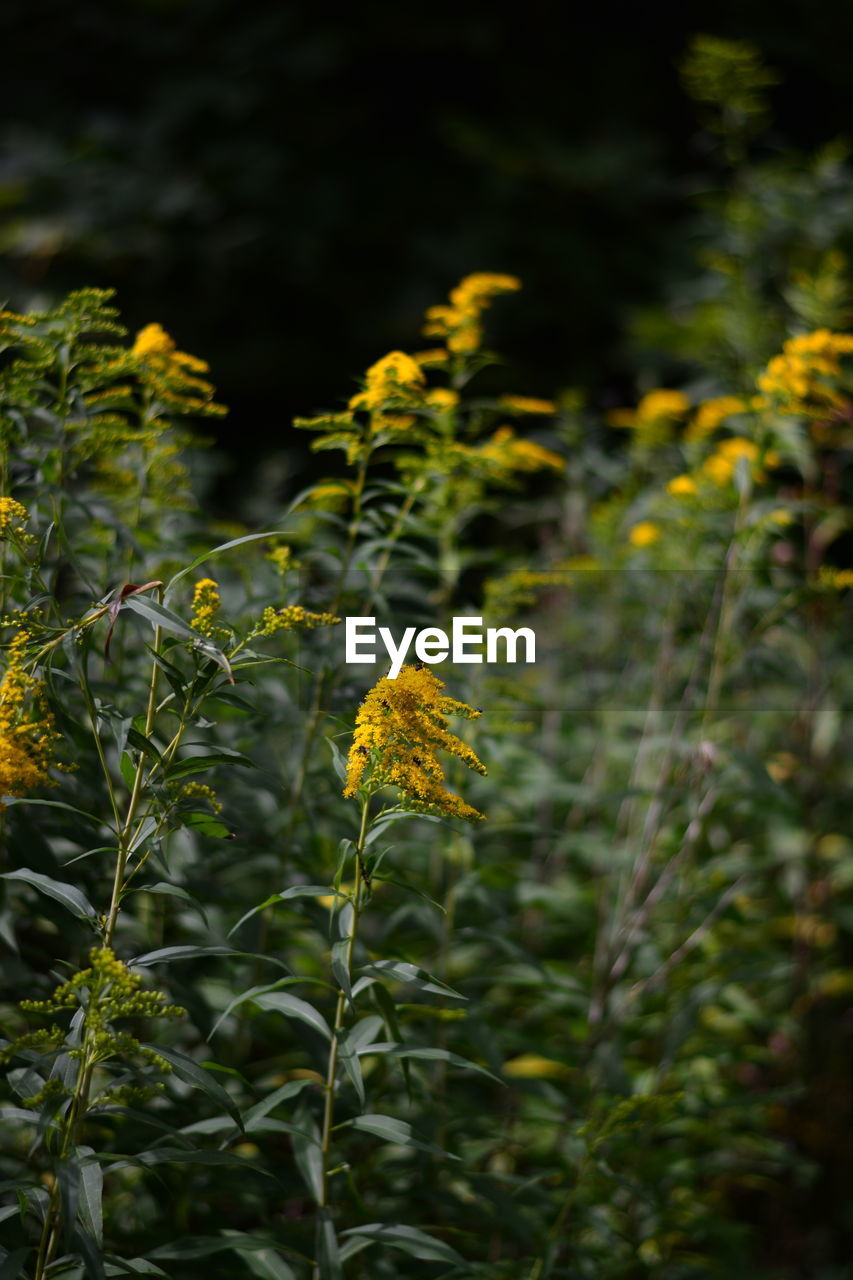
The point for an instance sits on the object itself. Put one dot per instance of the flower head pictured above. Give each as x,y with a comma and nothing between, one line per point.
399,729
27,731
644,534
206,605
507,454
800,380
458,321
393,378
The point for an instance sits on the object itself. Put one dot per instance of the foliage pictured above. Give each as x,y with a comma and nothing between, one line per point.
267,1002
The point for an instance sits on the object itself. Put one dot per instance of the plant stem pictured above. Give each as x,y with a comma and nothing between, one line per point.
340,1013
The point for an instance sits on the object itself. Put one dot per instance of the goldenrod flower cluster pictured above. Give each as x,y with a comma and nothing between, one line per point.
442,399
682,486
393,379
27,731
644,534
200,791
107,990
12,515
800,379
509,455
458,322
711,414
206,605
835,579
293,615
653,419
282,558
720,467
400,727
173,376
528,404
518,589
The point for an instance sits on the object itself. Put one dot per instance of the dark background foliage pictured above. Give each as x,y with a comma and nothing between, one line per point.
286,186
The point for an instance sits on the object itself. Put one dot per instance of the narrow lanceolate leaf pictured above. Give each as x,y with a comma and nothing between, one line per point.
340,966
402,971
348,1058
396,1131
389,1049
12,1265
417,1244
91,1192
293,1007
159,616
326,1248
188,1070
204,1246
215,551
67,894
163,955
307,1151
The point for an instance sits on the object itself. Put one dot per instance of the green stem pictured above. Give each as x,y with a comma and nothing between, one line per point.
340,1013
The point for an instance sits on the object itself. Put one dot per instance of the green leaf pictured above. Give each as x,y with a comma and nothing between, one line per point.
8,801
188,1070
426,1055
263,1108
164,955
172,891
307,1150
199,763
67,894
395,1131
224,546
132,1267
408,1239
340,966
402,971
326,1248
187,1155
12,1265
293,1007
91,1192
159,616
203,1246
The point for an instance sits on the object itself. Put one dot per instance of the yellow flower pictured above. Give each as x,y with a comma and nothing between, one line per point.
508,454
394,377
681,486
434,358
293,615
528,404
153,340
720,466
11,513
644,534
653,419
442,398
711,414
399,728
799,380
206,604
780,516
27,730
531,1066
282,558
459,322
835,579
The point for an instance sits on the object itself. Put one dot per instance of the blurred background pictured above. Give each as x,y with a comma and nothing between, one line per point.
286,187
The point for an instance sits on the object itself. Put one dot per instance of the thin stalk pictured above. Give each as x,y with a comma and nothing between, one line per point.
340,1013
76,1114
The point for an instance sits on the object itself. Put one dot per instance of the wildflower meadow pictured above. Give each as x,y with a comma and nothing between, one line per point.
525,955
